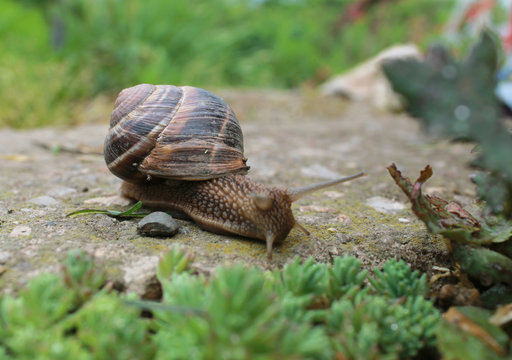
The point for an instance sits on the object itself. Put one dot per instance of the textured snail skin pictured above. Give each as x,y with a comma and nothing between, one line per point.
222,205
181,149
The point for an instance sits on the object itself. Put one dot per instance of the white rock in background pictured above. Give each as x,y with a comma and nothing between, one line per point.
319,171
61,191
366,82
4,256
20,230
44,200
384,205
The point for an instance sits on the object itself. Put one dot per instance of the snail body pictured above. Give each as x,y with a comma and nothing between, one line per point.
181,149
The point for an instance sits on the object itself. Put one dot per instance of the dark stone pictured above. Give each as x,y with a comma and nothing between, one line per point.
158,224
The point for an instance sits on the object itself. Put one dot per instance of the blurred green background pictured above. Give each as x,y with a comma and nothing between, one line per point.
62,59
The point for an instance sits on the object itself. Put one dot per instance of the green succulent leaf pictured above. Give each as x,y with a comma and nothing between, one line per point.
175,261
488,266
306,311
396,279
81,274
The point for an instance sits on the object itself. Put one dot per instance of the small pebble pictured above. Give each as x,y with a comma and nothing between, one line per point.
316,208
61,191
333,194
404,220
333,251
44,200
109,201
20,230
384,205
332,230
4,256
158,223
343,219
319,171
89,178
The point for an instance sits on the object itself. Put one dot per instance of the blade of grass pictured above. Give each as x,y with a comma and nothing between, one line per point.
131,212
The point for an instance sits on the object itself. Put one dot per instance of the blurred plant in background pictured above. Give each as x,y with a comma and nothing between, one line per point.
57,54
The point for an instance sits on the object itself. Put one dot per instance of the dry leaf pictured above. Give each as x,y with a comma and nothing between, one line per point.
502,316
343,219
16,157
455,317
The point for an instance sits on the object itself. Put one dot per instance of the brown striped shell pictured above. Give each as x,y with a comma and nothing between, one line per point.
164,131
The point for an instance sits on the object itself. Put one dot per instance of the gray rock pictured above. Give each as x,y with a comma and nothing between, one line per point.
61,191
319,171
109,201
20,230
140,278
158,223
385,205
89,178
44,200
4,256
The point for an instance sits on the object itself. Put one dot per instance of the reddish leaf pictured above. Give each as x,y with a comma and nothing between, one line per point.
440,216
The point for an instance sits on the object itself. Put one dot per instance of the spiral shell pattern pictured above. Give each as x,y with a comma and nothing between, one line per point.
164,131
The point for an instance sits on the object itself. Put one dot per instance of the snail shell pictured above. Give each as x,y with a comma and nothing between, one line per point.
170,132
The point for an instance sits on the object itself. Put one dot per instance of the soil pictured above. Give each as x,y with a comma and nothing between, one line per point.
291,139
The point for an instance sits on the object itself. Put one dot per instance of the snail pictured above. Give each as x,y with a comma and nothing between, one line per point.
181,149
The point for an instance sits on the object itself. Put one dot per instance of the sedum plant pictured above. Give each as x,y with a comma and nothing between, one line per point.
305,311
398,280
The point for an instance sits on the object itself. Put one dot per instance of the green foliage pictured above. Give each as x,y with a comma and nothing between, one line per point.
249,313
241,42
59,54
373,325
237,313
490,267
482,247
174,262
37,87
308,278
456,343
345,277
467,333
238,320
82,275
40,305
457,99
396,279
109,329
